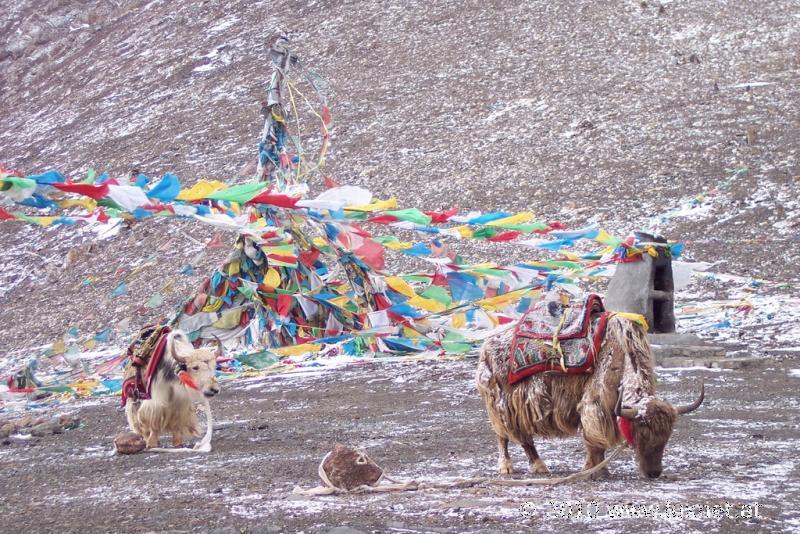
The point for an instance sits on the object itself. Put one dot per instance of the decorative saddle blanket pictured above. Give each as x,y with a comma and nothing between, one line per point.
144,355
558,337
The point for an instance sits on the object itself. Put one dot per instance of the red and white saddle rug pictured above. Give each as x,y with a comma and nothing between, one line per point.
558,337
144,355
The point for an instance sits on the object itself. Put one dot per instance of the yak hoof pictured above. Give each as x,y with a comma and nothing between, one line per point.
603,474
506,467
538,468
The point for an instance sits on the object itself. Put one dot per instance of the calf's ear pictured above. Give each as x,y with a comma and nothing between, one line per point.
220,348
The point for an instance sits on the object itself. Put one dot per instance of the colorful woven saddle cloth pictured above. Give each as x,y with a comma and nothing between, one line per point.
144,355
558,336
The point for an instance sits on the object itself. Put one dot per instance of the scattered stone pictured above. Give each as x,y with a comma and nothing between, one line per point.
23,422
345,530
47,428
129,443
349,468
750,135
739,363
69,422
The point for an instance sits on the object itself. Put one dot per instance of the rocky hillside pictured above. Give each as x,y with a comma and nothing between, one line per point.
620,113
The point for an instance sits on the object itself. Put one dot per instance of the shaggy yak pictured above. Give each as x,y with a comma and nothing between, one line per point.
555,405
184,375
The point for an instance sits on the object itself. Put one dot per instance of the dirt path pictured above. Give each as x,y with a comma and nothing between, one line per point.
416,420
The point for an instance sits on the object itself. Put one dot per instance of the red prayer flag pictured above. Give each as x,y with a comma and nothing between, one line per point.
282,201
371,253
308,257
438,217
505,236
101,216
330,183
284,303
90,190
383,219
326,115
215,242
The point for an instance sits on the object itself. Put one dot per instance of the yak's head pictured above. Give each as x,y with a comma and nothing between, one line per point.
196,368
649,428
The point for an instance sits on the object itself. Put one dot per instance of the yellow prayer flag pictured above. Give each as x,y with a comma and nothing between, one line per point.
296,350
402,245
410,332
201,190
89,204
214,304
519,218
339,301
272,279
378,205
400,285
229,320
44,221
433,306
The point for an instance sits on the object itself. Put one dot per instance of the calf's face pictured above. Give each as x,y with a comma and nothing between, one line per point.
201,365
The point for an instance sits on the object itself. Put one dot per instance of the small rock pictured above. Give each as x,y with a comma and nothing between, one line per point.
23,422
129,443
69,422
344,530
47,428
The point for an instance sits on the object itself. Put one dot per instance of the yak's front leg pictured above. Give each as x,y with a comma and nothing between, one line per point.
504,462
535,463
151,440
594,456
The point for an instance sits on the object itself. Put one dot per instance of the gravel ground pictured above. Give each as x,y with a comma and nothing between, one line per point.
420,420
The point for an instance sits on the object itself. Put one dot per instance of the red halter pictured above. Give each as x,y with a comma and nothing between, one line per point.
626,430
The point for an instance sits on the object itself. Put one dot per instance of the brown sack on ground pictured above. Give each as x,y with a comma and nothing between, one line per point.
128,443
348,468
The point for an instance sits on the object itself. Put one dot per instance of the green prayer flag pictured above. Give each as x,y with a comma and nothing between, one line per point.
411,215
240,193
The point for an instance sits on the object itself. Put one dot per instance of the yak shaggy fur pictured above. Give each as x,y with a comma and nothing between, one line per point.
556,405
171,406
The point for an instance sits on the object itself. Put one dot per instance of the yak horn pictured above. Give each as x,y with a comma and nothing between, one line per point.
220,347
619,411
176,339
693,406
